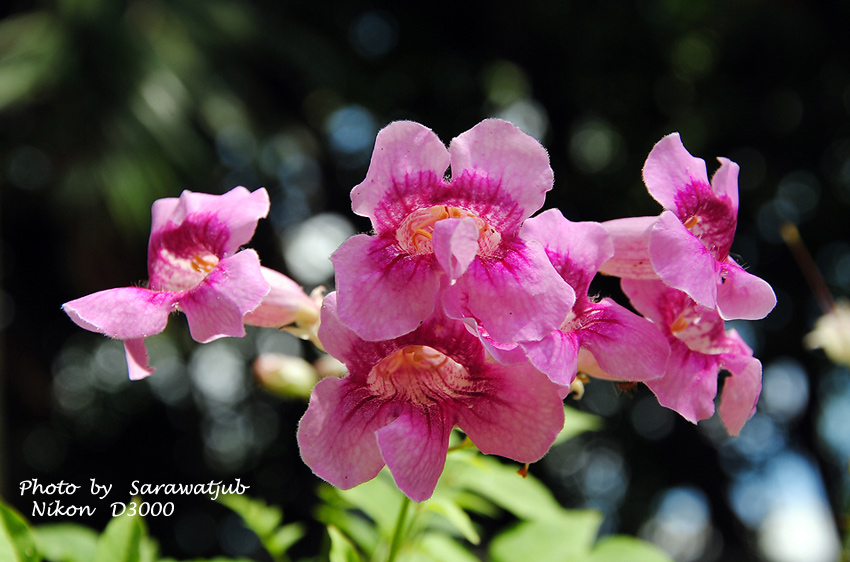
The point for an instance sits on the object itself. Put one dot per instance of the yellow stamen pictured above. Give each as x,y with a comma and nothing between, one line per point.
692,222
205,263
680,324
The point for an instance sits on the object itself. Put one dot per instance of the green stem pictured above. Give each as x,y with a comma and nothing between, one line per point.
399,526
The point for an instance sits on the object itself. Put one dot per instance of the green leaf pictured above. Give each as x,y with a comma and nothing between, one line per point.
458,518
264,520
121,541
577,422
379,499
439,548
261,518
16,540
284,537
216,559
355,526
342,550
66,542
618,548
569,536
527,498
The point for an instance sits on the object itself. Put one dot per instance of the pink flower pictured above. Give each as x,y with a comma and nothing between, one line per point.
402,397
465,231
700,348
688,245
626,346
194,266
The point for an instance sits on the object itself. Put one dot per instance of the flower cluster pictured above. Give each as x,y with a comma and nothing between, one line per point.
462,309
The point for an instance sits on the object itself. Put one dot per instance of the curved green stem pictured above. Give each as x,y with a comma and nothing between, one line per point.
399,527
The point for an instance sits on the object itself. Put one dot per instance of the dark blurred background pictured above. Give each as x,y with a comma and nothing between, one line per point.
106,106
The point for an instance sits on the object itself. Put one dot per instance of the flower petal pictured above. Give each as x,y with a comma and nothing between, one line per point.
126,313
285,303
137,359
336,436
630,237
382,294
556,355
682,261
521,417
626,346
576,249
518,298
216,306
513,160
742,295
336,338
405,154
651,299
414,447
455,245
670,168
741,390
230,219
690,383
725,182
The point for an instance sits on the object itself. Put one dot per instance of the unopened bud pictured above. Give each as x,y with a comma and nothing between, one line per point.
286,375
288,307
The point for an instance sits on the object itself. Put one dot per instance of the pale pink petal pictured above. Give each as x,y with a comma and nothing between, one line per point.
336,338
651,299
137,359
405,152
414,447
670,168
576,249
165,210
336,436
455,245
682,261
519,420
725,182
382,293
630,237
740,392
285,303
743,295
742,388
518,298
215,308
509,158
556,355
588,365
510,353
125,314
625,346
689,385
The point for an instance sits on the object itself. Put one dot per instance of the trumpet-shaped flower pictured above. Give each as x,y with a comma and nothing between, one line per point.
688,245
465,230
194,266
402,397
699,348
626,346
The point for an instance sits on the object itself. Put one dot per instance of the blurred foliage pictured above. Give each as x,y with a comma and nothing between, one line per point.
360,523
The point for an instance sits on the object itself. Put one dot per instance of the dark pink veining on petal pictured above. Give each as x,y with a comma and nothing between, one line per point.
709,216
